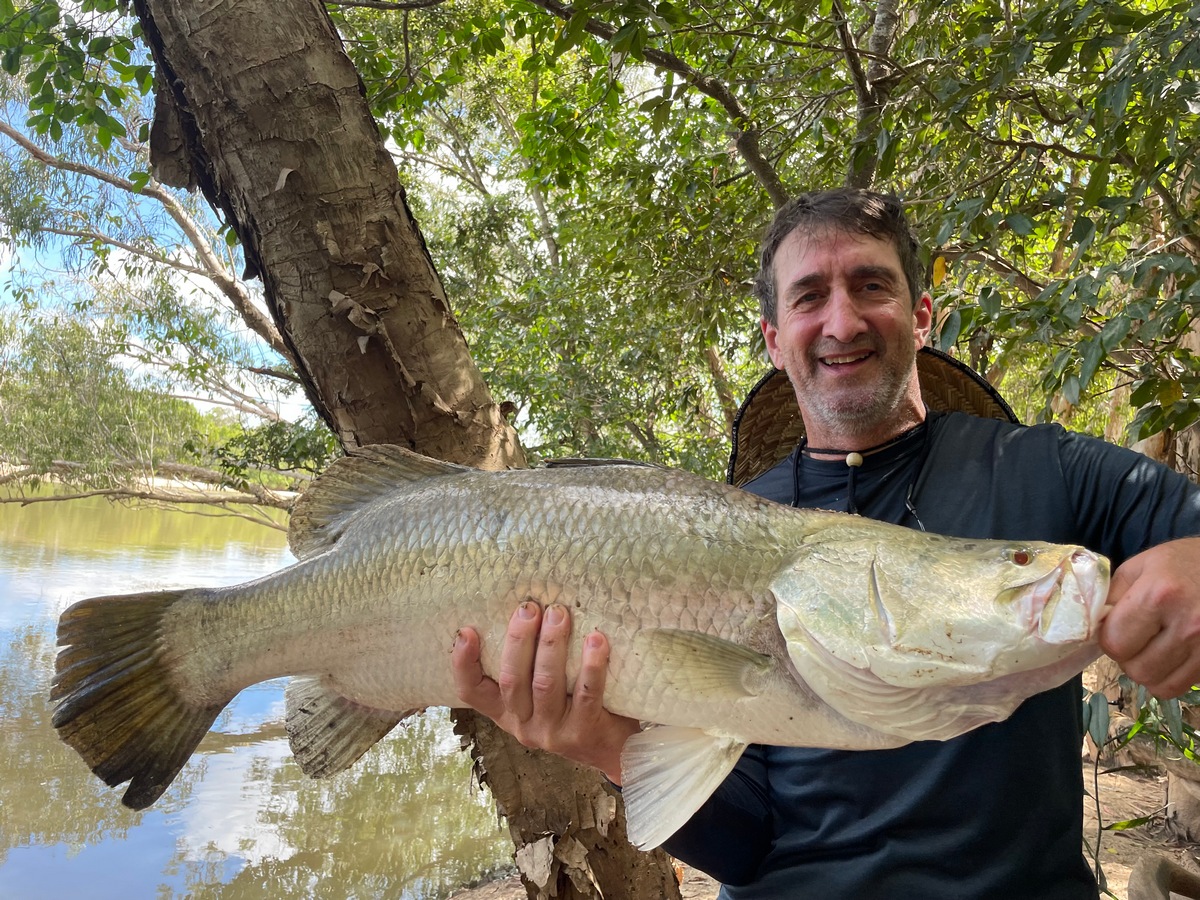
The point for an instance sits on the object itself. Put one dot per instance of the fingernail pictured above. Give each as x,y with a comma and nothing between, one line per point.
459,640
527,610
595,640
555,615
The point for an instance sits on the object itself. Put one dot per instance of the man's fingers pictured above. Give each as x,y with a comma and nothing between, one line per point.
587,701
1128,629
1164,666
474,688
516,660
548,688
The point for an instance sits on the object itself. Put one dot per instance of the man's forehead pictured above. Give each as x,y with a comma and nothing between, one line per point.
806,255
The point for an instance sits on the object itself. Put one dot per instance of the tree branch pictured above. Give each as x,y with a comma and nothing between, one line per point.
213,499
213,269
388,5
182,491
1026,285
747,140
872,86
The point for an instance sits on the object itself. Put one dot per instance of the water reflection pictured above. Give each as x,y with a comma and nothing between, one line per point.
241,820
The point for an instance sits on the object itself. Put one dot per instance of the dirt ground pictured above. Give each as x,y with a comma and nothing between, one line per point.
1123,796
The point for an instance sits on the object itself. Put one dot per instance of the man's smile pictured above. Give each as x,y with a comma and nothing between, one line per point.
845,359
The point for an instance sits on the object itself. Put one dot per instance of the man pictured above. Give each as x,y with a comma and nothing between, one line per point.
996,812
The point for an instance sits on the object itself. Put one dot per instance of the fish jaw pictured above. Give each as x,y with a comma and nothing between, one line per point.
1066,606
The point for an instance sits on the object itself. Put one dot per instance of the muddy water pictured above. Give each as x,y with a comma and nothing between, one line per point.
241,821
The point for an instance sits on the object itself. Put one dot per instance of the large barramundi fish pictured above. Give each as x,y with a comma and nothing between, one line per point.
732,620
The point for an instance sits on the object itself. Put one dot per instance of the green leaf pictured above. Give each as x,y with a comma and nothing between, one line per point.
951,327
1083,231
1059,55
1093,355
1172,715
1097,726
1127,824
1020,224
1071,389
990,301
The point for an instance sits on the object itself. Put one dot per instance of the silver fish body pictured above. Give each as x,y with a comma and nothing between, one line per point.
732,620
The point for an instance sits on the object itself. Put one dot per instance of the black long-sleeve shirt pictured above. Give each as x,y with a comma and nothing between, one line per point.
997,812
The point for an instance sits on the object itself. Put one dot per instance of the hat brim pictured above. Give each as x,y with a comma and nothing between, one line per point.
768,424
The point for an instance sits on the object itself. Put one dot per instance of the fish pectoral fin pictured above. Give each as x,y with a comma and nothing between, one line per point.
329,732
690,663
668,773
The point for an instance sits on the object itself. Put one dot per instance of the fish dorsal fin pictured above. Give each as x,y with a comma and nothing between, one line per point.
691,663
581,462
667,773
349,484
327,731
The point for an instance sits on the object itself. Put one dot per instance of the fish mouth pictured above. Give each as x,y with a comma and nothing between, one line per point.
1066,605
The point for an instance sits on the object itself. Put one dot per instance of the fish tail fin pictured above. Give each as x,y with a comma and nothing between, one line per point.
116,701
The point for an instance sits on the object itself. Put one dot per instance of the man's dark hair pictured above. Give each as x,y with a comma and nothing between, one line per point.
847,210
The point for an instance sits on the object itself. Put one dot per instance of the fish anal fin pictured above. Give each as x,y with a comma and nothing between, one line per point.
117,702
694,663
668,772
329,732
351,483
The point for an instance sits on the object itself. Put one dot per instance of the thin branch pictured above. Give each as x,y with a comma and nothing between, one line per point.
1026,285
1030,145
259,323
132,249
387,5
220,492
747,140
850,49
535,192
163,497
1183,223
275,373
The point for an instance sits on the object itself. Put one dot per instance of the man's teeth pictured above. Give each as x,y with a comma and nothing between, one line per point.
842,360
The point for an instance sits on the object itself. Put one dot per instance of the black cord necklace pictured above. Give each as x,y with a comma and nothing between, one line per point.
854,460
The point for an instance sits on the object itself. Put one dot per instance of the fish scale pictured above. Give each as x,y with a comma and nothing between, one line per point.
731,620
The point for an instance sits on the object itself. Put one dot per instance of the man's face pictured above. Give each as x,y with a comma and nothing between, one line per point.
847,335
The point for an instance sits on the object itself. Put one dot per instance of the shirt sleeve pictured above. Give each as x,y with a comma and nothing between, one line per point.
1126,502
731,834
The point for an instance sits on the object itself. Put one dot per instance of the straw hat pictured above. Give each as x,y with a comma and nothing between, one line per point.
768,424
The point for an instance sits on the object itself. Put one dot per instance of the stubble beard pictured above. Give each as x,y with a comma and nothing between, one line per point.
863,408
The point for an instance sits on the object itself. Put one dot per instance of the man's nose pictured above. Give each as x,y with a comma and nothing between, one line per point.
843,320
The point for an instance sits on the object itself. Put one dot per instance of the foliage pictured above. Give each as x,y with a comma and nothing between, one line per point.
592,180
63,398
1045,150
81,63
110,264
306,446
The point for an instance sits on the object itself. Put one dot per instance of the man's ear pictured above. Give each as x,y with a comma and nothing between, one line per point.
922,319
770,335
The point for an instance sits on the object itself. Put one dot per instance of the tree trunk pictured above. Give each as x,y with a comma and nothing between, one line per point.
261,107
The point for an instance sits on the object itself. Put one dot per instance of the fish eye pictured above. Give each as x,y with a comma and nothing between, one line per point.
1019,557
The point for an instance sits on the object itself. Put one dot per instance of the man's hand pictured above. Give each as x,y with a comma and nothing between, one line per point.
1153,630
530,699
